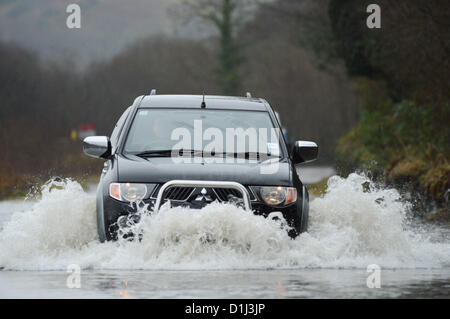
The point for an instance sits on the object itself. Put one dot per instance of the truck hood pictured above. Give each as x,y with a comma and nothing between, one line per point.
162,169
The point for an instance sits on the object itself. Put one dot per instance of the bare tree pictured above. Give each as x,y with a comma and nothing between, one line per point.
226,16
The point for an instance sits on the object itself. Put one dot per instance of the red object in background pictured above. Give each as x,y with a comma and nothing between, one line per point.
85,130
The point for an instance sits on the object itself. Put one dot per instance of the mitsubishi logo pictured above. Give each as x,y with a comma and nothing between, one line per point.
204,197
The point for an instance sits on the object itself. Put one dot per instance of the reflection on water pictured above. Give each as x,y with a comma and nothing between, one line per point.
305,283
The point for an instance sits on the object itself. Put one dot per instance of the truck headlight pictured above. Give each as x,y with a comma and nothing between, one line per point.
130,192
278,195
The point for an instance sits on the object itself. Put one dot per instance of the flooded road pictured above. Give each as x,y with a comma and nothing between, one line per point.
224,252
295,283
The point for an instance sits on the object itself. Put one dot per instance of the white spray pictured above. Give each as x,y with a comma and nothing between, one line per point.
348,227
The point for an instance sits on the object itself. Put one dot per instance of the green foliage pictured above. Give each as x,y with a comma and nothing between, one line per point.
403,81
11,184
405,139
319,188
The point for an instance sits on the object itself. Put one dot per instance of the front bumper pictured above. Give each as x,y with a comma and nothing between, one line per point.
115,210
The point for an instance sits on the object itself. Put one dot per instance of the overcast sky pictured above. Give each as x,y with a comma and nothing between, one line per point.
107,26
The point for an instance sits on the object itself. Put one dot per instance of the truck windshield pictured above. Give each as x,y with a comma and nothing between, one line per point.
202,130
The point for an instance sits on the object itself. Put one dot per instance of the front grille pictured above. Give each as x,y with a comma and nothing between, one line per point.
224,193
183,193
178,193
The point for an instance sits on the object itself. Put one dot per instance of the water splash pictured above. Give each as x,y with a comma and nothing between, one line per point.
354,224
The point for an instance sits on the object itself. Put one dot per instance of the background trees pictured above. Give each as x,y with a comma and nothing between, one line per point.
403,74
315,61
226,18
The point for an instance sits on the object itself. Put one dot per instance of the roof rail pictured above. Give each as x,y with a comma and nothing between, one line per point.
249,95
153,92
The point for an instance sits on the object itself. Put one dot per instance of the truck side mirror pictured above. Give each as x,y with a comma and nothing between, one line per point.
97,146
304,152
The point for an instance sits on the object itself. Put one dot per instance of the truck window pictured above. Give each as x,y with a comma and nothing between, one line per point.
118,128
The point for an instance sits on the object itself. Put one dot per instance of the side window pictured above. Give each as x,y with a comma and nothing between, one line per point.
118,128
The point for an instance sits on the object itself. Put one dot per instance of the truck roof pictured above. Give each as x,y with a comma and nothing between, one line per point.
211,101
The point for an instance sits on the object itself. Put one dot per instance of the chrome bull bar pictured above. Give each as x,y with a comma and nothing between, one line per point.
193,183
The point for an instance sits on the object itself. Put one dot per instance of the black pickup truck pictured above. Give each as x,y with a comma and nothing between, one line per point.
192,150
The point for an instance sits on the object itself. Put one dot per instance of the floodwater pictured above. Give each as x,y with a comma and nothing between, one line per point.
358,240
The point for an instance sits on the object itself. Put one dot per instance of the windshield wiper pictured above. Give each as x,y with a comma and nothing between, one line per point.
167,153
253,155
154,153
191,152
